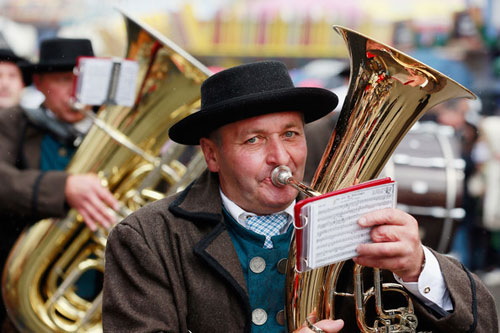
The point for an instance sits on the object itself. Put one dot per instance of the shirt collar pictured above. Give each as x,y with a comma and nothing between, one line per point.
241,215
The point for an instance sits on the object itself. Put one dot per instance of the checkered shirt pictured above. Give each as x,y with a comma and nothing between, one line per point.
267,225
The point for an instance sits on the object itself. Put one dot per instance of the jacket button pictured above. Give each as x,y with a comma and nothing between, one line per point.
280,317
259,316
257,265
282,265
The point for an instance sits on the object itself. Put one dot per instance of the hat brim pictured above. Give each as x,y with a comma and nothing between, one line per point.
314,103
11,58
51,67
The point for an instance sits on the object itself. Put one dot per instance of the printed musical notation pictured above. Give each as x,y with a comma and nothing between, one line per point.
332,233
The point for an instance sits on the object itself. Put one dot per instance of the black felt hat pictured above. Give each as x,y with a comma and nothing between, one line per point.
10,56
247,91
61,54
24,65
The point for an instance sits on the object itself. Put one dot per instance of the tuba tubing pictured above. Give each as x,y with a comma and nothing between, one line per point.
39,282
388,92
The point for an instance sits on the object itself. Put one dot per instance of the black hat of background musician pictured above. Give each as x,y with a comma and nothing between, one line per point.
61,54
247,91
7,55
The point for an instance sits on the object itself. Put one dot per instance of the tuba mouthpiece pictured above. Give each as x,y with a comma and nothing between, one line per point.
280,175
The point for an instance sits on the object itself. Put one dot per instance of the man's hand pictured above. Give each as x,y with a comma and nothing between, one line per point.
325,325
396,243
86,194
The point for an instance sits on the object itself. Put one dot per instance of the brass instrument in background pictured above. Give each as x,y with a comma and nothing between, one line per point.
129,148
388,92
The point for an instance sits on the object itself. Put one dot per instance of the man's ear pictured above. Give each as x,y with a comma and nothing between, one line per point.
210,151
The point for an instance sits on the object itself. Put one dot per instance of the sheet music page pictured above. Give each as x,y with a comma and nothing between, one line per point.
334,232
127,81
95,75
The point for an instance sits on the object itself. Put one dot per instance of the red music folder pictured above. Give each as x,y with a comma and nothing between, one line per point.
326,229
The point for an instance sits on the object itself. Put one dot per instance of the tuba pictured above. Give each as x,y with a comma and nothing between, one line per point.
128,147
388,92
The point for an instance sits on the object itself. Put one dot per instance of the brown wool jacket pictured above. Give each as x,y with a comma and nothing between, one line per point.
26,191
171,267
27,194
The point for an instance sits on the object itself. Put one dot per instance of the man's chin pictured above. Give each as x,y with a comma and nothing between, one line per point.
6,101
73,118
282,200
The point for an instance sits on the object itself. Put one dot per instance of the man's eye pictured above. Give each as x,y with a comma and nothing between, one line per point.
289,134
252,140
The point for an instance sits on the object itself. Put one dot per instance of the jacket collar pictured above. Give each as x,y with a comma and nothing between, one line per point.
200,203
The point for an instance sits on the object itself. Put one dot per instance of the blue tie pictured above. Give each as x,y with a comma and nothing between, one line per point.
267,225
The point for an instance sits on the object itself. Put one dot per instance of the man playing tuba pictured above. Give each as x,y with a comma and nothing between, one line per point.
36,144
210,258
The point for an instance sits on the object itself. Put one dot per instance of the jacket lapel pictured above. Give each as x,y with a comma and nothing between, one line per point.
201,203
218,252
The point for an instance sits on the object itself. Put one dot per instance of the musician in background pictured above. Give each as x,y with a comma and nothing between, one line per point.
211,258
14,76
470,243
483,186
37,143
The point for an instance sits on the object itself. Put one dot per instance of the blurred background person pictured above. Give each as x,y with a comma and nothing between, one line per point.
485,185
36,145
14,76
470,241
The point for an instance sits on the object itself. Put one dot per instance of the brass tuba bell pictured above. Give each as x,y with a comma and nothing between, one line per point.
129,148
388,92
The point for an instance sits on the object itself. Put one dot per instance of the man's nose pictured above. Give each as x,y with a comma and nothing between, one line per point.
277,154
